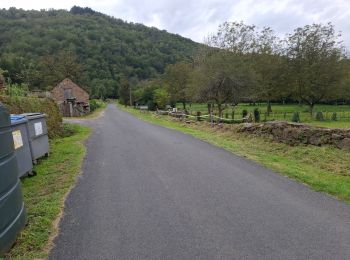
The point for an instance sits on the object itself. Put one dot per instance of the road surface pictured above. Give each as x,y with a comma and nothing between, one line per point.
148,192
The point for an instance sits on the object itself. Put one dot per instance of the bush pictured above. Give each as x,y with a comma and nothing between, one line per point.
19,105
334,116
244,113
17,90
296,117
319,116
256,115
93,105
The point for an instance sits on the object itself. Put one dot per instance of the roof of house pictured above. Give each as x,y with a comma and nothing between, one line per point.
67,82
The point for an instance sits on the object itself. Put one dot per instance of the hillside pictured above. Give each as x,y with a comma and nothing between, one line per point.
40,47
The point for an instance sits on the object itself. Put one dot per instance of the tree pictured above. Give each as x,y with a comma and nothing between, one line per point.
268,63
315,53
221,78
235,37
177,78
161,97
60,66
124,91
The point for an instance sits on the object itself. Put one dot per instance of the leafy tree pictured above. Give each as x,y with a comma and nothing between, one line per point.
269,65
315,53
124,92
60,66
161,97
178,78
221,79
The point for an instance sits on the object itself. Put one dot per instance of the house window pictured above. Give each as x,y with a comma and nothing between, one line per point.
68,93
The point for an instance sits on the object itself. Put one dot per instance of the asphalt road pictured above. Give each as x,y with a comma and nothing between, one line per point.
148,192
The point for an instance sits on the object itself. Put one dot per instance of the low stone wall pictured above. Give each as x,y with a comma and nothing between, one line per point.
293,133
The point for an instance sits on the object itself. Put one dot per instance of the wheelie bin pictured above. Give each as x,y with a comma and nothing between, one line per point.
12,211
21,144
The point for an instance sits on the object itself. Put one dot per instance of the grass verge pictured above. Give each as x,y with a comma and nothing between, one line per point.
45,193
325,169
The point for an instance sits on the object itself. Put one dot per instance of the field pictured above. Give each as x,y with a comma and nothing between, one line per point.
325,169
285,112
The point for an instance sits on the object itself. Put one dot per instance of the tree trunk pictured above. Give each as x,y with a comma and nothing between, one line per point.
184,105
311,108
269,109
220,112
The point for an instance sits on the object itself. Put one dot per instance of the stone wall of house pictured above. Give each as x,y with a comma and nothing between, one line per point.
293,133
57,93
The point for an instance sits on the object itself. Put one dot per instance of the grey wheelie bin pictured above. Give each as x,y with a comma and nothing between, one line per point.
38,135
21,144
12,211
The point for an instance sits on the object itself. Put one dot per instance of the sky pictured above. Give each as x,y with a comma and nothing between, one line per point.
196,19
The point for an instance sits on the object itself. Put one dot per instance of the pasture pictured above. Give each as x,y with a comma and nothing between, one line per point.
284,112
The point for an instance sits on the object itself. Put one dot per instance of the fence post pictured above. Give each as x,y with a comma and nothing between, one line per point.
198,115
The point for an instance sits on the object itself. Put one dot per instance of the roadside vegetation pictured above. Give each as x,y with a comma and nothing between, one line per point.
44,194
325,169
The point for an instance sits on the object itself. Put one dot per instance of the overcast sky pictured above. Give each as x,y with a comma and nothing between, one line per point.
195,19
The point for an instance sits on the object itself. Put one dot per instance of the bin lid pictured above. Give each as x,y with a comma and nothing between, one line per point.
17,119
33,115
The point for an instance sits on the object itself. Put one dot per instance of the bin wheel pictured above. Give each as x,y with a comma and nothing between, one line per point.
47,155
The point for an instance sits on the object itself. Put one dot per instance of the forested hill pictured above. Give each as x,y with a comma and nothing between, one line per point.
39,48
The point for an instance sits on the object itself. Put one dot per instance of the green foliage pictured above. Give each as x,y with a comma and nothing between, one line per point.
315,55
17,90
19,105
40,47
256,115
161,98
95,104
334,116
124,92
319,116
296,117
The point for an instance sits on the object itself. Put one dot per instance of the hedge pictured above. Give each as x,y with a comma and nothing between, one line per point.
19,105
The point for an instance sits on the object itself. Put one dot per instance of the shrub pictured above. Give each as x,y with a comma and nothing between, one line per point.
226,115
296,117
19,105
17,90
94,105
244,113
334,116
256,115
319,116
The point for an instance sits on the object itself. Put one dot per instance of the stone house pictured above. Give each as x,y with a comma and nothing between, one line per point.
71,99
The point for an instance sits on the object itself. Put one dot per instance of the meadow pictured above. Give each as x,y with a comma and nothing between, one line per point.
284,112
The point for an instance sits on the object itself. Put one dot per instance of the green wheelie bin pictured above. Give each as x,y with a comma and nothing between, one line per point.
12,211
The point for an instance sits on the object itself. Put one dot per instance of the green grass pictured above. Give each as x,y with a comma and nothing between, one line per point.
325,169
45,193
285,112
